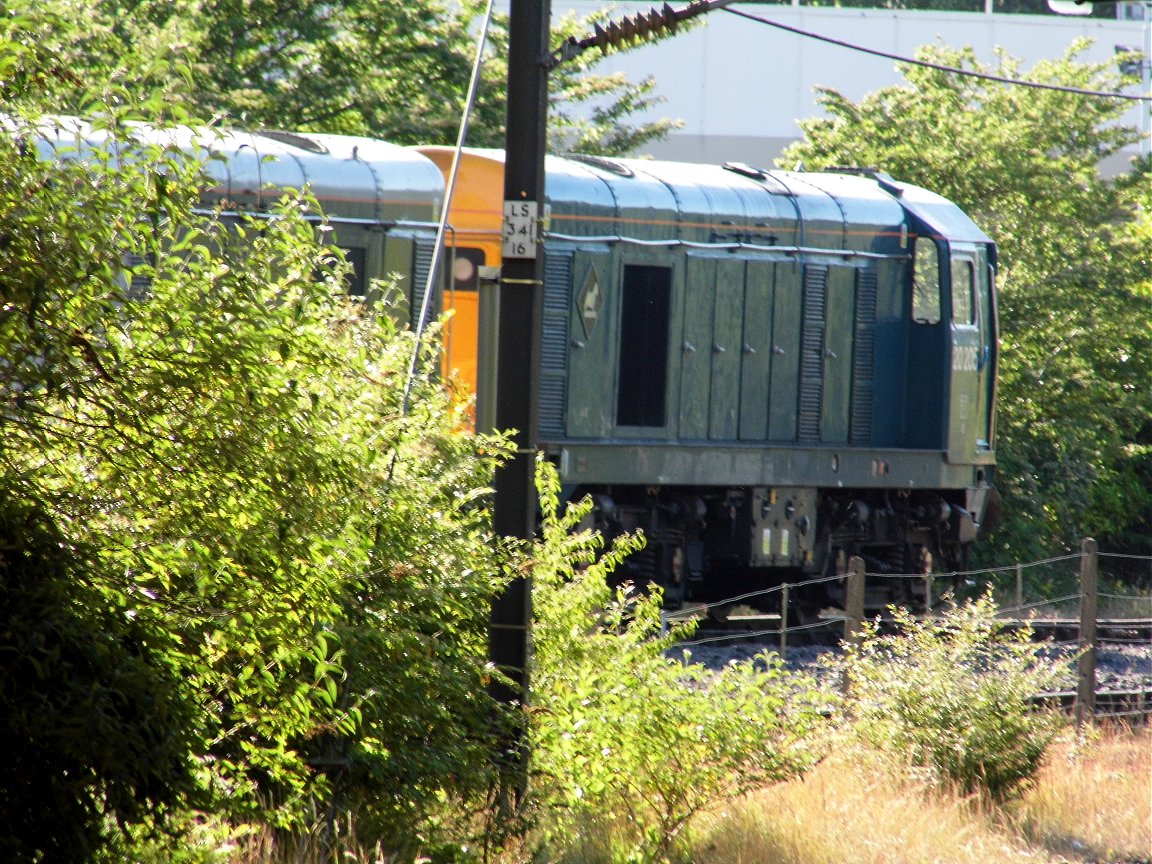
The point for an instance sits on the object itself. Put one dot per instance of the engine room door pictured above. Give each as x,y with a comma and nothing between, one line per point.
839,345
725,349
756,350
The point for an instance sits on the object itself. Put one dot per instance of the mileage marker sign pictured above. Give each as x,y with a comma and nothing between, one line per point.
520,229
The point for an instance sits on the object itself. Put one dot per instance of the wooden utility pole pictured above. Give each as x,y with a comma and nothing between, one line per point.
514,507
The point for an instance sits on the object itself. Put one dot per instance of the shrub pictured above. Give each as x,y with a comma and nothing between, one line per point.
628,741
92,725
277,606
953,696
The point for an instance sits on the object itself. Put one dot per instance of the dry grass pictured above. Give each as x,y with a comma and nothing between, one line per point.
1093,803
1094,798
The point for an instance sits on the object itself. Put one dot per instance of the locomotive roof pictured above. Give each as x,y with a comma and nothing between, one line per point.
712,203
940,214
351,177
660,201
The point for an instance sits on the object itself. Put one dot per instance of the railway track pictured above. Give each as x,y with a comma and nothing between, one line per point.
828,629
1107,629
1132,706
1124,653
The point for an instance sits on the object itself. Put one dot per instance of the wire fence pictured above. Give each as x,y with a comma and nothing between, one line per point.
1083,618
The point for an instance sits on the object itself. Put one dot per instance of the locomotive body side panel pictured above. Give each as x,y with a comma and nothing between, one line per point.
642,402
784,397
695,348
927,390
591,328
474,238
724,350
890,367
862,397
838,352
972,332
554,341
756,349
814,324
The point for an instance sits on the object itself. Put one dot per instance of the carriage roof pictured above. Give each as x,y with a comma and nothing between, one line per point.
351,177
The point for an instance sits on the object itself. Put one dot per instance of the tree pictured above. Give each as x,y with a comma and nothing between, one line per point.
1073,432
391,70
96,727
238,574
613,99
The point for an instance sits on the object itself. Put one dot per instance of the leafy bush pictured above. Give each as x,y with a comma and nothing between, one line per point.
92,725
262,584
952,696
628,741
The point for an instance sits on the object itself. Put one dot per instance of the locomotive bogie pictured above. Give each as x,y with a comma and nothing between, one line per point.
703,541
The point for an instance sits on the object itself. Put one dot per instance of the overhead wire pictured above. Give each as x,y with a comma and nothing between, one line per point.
449,189
940,67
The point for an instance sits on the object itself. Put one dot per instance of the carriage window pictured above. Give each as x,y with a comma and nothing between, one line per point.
356,282
962,288
644,314
925,281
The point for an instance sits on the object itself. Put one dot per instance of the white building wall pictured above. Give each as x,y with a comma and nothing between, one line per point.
739,86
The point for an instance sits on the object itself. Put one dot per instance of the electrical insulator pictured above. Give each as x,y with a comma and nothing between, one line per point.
652,25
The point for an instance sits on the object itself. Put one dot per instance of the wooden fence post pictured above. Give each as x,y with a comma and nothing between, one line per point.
1086,666
784,620
853,608
1019,588
854,599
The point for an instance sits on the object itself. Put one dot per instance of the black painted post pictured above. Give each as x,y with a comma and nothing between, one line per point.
519,307
514,507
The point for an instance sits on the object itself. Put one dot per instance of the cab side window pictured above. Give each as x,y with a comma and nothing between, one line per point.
963,286
356,282
925,281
